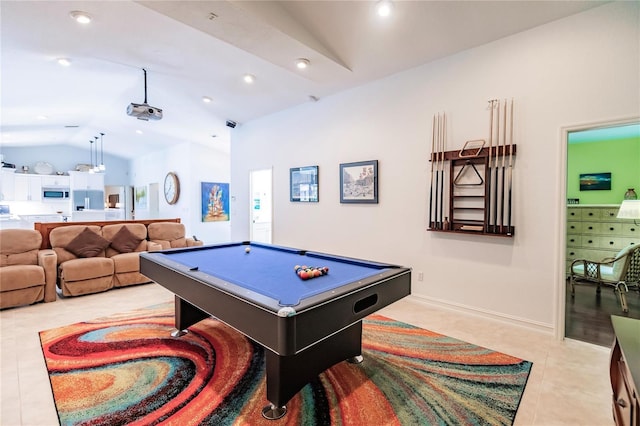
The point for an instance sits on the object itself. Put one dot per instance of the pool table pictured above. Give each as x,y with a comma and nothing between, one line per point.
306,326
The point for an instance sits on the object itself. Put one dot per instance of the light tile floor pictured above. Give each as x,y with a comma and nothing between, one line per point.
568,385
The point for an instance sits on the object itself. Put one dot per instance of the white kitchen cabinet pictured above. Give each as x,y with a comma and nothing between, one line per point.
86,180
28,187
7,184
55,181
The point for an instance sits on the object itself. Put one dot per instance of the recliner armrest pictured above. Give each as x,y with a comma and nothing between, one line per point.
153,246
194,243
48,259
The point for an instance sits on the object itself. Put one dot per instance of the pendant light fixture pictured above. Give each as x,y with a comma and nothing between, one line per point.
102,167
91,155
96,168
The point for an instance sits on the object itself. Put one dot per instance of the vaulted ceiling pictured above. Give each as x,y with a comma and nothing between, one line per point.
196,49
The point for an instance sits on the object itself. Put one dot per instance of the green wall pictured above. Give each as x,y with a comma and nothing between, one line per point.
621,157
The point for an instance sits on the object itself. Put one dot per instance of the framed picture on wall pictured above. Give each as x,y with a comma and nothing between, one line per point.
595,182
303,184
215,201
141,198
359,182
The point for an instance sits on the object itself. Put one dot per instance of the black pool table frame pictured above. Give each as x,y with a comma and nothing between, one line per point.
302,342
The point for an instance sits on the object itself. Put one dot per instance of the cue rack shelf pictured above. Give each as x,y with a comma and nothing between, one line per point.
469,209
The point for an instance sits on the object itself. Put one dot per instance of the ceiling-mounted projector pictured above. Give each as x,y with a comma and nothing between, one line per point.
144,111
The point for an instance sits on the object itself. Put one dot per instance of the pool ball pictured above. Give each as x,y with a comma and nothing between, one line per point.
247,250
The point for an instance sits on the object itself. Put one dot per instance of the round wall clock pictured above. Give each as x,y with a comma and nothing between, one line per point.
171,188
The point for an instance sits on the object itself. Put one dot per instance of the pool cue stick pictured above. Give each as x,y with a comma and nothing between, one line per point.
437,144
433,141
488,189
444,127
439,166
440,171
495,187
509,230
504,156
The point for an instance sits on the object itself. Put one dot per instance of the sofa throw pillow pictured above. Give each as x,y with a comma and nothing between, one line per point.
124,241
87,244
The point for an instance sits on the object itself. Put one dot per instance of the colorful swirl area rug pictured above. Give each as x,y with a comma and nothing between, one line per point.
127,369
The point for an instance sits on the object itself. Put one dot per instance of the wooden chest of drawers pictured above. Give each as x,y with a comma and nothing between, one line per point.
625,371
594,232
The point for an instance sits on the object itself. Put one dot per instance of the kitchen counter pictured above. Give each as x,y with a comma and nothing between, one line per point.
88,215
27,221
13,222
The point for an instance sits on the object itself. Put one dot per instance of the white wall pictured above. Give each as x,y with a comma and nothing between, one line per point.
193,163
581,69
64,158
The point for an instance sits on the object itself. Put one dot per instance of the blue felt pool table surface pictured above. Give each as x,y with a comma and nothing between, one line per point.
269,270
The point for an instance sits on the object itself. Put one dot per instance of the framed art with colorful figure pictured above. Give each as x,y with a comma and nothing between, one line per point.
215,201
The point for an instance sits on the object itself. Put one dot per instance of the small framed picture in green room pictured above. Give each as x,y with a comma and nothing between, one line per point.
595,181
303,184
359,182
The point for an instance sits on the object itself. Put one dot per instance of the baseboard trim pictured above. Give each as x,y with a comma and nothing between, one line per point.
484,313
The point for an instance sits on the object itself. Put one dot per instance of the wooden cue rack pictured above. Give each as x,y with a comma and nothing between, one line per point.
477,211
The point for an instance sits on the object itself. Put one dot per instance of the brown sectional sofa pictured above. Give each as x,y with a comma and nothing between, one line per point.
96,258
91,267
170,235
27,273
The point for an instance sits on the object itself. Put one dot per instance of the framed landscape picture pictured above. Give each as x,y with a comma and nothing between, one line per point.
359,182
595,182
141,198
303,184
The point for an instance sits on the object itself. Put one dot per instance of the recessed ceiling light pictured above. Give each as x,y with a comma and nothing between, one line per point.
81,17
249,78
139,131
384,8
206,99
65,62
302,63
42,117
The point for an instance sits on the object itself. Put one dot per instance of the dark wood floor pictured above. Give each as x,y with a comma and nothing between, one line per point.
588,316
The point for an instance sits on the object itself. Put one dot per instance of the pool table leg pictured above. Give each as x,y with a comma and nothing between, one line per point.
286,375
356,359
186,315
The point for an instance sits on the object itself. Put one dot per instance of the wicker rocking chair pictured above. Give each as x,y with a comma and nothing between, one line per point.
621,272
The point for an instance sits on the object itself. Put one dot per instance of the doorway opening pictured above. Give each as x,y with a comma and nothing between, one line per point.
602,163
261,216
154,200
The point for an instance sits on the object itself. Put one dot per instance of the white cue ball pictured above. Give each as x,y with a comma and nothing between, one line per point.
247,250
